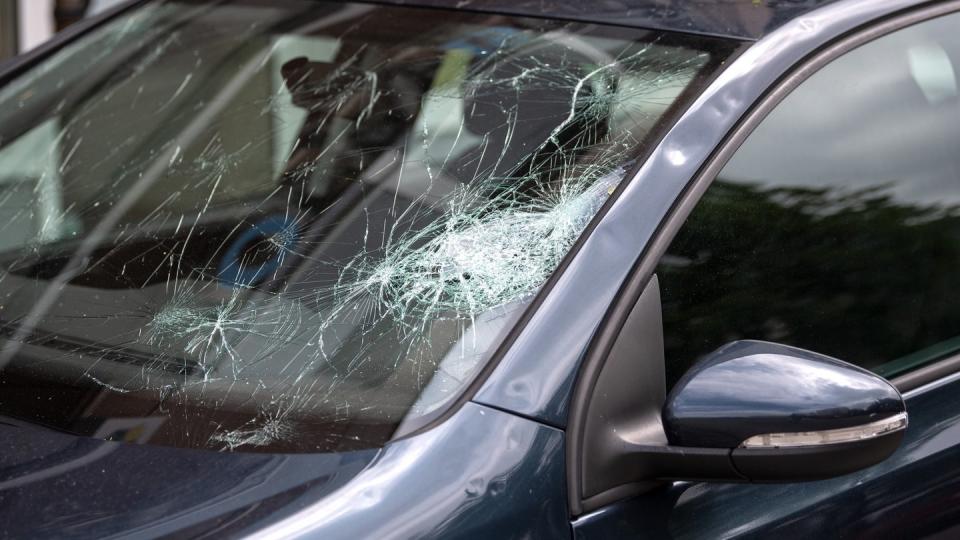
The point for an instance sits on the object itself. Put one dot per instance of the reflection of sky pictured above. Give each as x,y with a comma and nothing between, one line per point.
885,113
775,383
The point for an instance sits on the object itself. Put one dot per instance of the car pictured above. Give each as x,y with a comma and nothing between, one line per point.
499,269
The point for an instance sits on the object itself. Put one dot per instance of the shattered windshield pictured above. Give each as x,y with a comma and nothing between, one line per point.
297,226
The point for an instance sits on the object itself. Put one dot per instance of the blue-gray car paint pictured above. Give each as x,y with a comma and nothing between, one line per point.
485,472
738,391
493,473
54,485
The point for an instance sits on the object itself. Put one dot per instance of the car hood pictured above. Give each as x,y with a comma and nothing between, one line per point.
59,485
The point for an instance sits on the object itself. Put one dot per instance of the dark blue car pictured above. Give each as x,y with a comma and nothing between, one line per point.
483,269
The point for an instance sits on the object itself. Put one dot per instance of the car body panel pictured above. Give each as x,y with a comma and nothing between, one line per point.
483,473
55,485
738,392
911,494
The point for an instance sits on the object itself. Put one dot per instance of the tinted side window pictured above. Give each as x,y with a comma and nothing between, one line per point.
836,226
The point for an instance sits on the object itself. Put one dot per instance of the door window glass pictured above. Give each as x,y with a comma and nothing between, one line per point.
836,226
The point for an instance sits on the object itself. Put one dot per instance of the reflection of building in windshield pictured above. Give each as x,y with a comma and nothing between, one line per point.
25,24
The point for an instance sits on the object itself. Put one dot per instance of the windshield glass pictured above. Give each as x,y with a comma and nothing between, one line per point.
294,226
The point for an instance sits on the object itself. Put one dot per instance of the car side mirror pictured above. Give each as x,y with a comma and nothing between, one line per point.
750,411
763,412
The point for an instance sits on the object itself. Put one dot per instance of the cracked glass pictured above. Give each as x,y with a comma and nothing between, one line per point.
295,226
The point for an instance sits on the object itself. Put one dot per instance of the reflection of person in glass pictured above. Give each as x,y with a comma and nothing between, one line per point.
353,113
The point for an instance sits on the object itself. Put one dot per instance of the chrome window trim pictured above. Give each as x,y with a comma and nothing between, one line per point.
928,377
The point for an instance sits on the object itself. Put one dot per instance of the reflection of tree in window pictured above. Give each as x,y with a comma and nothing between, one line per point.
855,275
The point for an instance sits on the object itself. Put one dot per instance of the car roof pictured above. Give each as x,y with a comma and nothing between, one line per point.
740,19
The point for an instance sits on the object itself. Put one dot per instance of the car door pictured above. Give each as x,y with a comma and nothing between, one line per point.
834,227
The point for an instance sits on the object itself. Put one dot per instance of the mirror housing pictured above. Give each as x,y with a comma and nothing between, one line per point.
779,414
